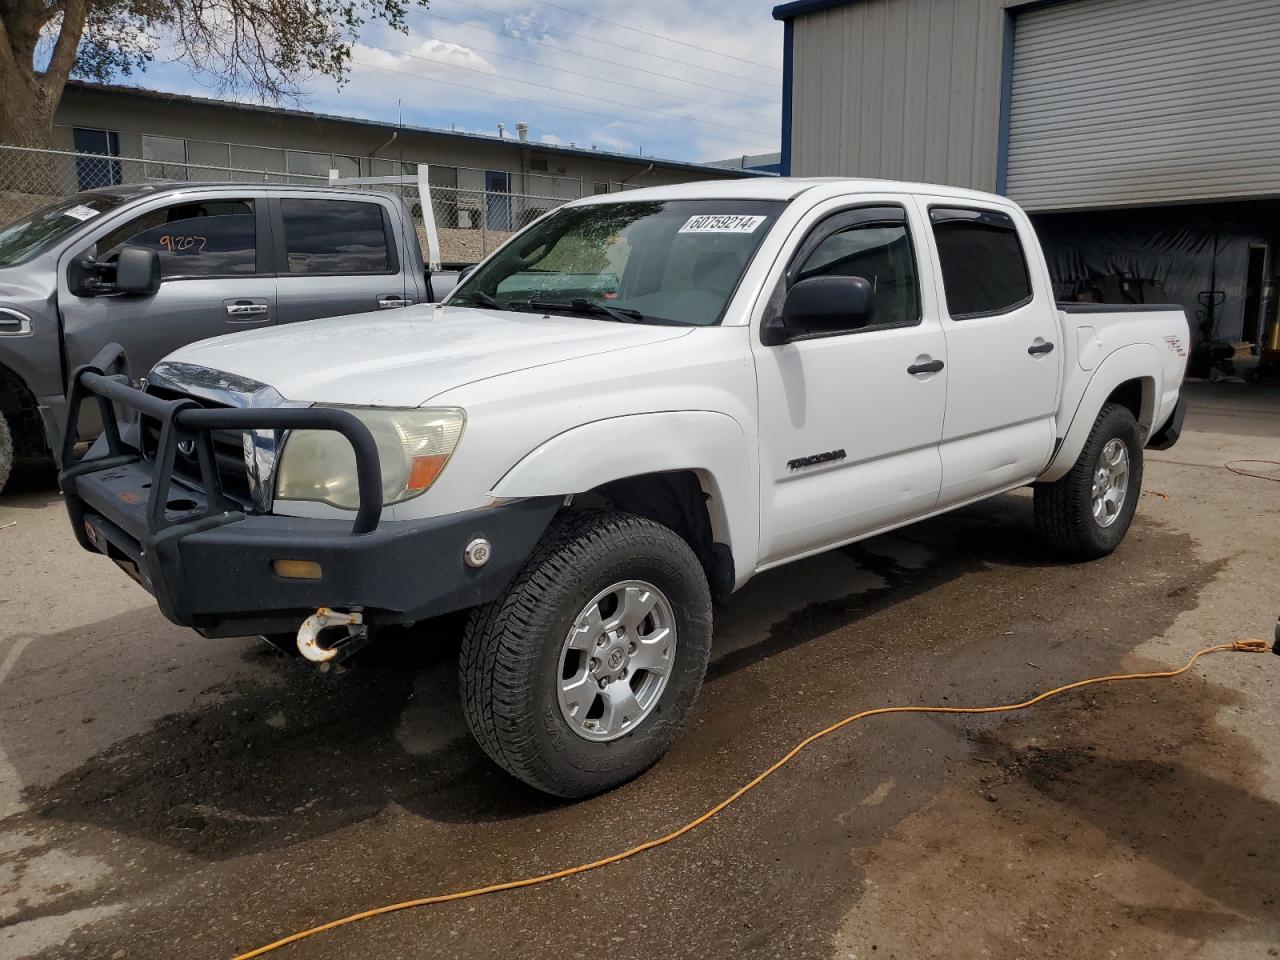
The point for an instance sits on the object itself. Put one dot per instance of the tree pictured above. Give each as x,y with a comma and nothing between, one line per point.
265,48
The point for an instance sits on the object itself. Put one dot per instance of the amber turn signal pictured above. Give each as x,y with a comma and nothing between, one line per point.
297,569
424,471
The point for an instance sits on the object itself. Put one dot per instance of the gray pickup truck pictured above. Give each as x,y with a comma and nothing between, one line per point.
154,267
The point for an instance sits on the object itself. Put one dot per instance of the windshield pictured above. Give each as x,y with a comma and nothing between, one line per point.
673,261
23,239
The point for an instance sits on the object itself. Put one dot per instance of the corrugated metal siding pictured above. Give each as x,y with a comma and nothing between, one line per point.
905,89
1128,102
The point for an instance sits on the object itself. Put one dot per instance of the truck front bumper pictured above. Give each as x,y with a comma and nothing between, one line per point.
211,564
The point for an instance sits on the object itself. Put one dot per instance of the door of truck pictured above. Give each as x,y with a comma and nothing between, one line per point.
848,433
1004,357
216,278
337,256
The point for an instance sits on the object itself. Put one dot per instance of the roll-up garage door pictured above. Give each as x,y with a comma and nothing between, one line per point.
1132,102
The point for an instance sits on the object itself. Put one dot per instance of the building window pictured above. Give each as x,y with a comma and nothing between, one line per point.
91,172
257,158
346,166
308,164
983,269
600,188
334,237
439,176
168,156
207,153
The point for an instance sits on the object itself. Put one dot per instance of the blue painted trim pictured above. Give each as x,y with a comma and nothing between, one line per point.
788,78
785,11
797,8
1006,101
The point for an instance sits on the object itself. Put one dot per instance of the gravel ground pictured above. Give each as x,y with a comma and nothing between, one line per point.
166,796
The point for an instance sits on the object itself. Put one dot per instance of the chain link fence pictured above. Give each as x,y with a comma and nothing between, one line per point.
30,178
470,223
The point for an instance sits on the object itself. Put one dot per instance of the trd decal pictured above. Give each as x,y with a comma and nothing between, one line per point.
815,459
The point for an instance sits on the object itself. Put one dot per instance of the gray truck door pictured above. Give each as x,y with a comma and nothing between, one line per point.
337,256
216,278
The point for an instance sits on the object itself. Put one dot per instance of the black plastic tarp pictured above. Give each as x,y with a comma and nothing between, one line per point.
1165,255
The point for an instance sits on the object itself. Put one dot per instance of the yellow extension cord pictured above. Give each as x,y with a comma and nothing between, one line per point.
1243,646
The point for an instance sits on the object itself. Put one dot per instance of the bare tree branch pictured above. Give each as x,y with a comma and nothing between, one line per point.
267,49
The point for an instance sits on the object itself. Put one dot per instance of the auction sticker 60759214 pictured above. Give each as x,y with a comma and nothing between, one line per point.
722,223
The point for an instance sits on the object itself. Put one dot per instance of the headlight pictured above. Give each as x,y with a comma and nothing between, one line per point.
413,447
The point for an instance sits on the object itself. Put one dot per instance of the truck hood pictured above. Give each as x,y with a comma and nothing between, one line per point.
405,357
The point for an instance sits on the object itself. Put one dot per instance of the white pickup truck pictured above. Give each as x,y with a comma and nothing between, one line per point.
635,405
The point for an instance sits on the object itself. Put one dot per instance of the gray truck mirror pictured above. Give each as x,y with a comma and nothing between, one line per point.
138,271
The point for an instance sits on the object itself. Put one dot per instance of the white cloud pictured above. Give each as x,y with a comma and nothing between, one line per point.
448,52
526,26
470,68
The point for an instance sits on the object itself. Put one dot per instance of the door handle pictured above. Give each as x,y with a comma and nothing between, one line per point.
1036,349
932,366
390,301
242,311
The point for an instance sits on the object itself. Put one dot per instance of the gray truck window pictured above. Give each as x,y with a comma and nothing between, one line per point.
984,271
334,237
879,253
207,238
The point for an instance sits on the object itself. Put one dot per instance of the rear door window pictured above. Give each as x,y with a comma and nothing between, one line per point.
984,271
207,238
335,237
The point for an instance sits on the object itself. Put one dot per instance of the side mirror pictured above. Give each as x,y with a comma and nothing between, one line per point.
137,271
467,271
821,305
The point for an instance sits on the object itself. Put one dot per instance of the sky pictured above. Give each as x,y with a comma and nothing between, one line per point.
668,78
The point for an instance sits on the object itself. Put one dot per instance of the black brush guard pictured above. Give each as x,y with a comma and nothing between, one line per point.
209,560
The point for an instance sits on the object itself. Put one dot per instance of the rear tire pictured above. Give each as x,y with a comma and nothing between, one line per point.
530,659
1086,513
6,452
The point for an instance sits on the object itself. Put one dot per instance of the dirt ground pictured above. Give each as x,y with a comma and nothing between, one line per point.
164,796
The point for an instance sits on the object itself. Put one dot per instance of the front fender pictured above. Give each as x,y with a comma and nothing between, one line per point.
1138,361
711,444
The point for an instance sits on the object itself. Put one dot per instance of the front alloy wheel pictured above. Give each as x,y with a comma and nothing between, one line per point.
616,660
583,675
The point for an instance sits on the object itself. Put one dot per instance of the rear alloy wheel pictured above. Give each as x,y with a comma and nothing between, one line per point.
584,673
1086,514
1110,483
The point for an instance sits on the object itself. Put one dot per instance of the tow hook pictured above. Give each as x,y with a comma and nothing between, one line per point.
357,635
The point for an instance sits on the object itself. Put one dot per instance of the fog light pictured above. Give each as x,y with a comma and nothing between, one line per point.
297,569
477,553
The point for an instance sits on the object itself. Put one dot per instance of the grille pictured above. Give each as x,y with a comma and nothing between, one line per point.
228,451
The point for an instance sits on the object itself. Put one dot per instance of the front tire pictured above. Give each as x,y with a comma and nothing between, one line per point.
6,452
584,673
1086,513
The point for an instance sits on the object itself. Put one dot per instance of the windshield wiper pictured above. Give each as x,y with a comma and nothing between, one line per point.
583,306
482,299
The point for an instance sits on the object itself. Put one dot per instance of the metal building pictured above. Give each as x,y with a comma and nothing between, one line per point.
1144,135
